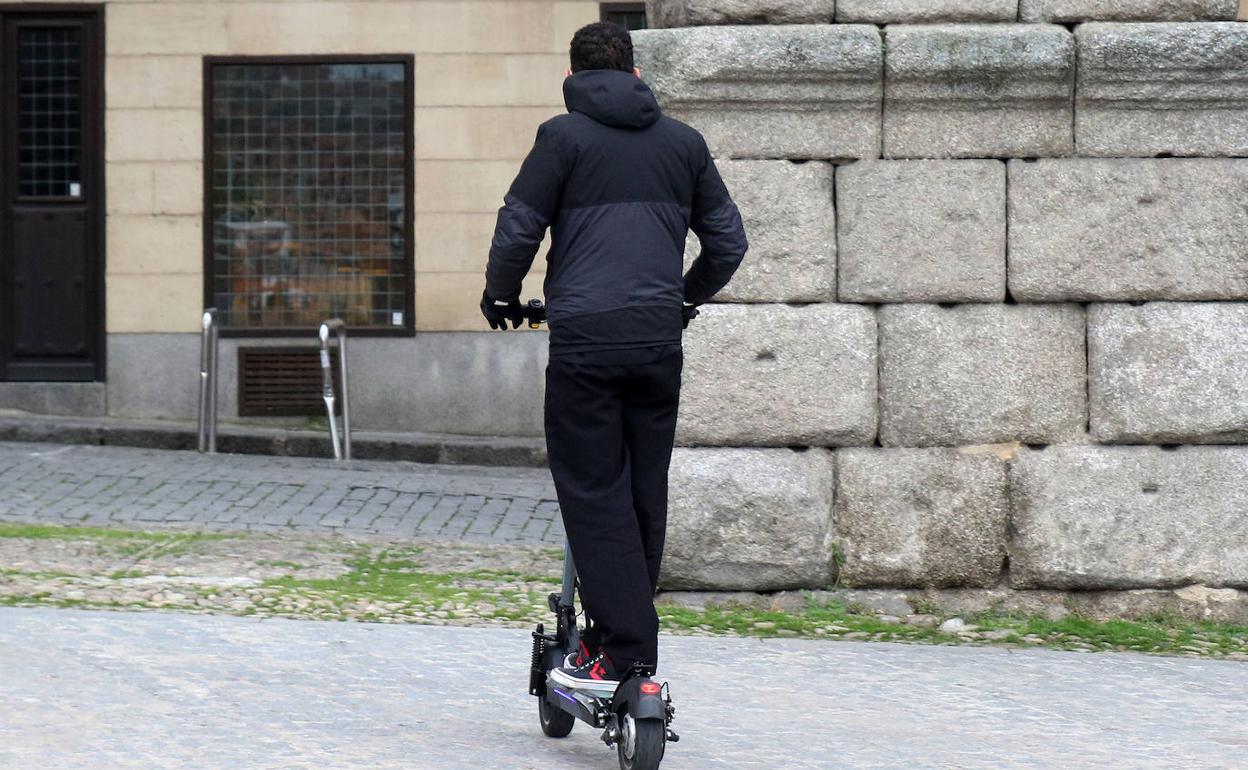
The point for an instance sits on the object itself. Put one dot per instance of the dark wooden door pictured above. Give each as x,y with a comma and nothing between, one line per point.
51,194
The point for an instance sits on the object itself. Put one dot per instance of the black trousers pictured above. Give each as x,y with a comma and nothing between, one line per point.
610,424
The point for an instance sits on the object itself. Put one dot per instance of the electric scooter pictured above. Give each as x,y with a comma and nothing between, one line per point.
636,716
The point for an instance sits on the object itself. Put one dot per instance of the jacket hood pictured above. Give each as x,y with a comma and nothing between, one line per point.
612,97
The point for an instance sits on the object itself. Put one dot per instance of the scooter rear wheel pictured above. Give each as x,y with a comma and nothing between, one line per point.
556,723
641,743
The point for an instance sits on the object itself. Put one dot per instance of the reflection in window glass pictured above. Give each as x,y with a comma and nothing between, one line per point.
308,194
630,16
49,65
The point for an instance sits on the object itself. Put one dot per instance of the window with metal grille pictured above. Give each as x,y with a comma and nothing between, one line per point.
630,16
49,62
309,182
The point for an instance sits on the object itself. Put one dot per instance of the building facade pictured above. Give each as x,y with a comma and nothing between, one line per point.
285,162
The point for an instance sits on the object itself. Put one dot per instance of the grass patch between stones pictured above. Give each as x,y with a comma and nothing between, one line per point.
332,578
49,532
839,620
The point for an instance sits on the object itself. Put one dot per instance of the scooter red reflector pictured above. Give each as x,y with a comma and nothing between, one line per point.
649,688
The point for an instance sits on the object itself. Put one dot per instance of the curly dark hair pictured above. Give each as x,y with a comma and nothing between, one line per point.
602,46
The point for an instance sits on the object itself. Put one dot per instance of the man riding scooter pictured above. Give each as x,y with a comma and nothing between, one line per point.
619,184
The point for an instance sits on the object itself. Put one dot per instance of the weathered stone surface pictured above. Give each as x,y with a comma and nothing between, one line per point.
1000,599
147,376
1063,11
921,231
1169,372
692,13
1196,602
701,600
979,374
147,379
79,399
890,601
791,224
1129,517
893,11
1153,89
978,90
920,517
810,91
749,519
1138,229
772,375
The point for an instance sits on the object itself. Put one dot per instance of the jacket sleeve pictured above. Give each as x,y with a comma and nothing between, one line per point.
717,223
529,207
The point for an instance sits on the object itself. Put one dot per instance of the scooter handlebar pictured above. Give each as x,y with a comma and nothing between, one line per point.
535,313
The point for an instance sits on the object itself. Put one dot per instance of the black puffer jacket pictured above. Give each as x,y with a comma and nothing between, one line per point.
619,184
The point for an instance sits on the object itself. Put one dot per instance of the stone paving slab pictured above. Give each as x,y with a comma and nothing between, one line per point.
151,488
107,691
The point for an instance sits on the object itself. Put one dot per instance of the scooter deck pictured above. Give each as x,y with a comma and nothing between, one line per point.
585,705
603,691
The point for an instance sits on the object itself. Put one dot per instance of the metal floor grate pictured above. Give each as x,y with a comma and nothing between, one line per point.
282,382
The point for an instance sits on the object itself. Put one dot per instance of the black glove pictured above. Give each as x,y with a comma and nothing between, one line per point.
687,313
498,312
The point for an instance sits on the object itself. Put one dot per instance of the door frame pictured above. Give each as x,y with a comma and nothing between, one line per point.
89,16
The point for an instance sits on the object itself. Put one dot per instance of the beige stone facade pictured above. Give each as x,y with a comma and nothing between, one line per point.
487,72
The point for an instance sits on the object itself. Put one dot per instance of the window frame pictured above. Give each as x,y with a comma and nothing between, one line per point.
408,61
605,9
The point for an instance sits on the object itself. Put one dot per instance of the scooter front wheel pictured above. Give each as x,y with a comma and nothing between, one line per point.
641,743
556,723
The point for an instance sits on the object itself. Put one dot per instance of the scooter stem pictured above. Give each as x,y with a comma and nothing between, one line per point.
568,595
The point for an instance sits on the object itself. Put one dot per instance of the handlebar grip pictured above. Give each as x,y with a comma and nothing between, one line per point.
535,311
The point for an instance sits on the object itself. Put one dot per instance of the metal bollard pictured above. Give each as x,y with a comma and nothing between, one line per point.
342,444
208,382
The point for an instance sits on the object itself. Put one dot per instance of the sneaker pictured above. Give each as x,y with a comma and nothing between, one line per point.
597,673
578,658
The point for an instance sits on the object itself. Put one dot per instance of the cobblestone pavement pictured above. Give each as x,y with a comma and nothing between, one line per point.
149,488
105,690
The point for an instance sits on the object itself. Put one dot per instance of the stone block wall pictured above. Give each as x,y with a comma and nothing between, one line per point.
992,332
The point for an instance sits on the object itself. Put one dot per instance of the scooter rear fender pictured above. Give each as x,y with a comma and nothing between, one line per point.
630,698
